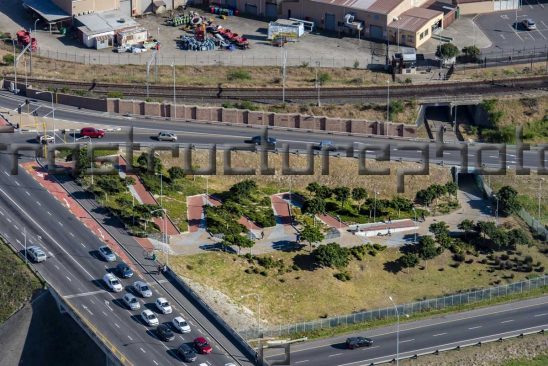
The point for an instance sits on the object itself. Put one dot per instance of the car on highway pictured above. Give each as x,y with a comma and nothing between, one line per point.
163,306
186,353
326,145
180,325
142,289
358,342
131,302
36,254
107,254
165,333
529,24
202,346
123,270
45,139
167,136
149,318
258,140
112,282
92,132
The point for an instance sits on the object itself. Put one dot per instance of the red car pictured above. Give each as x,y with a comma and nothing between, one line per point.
92,132
202,346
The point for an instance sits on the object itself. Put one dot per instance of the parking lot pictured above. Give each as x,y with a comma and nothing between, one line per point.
506,31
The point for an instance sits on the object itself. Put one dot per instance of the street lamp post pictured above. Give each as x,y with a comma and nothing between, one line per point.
397,32
397,331
375,207
164,236
415,213
52,111
14,64
388,101
497,210
174,97
318,83
539,197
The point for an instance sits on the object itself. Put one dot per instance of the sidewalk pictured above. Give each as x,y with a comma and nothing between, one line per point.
145,197
331,221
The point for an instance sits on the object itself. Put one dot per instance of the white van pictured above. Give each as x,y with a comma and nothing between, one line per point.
112,282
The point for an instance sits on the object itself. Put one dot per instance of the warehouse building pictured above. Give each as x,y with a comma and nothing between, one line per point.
486,6
409,22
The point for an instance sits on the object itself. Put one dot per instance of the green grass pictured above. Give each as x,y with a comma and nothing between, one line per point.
541,360
17,282
175,204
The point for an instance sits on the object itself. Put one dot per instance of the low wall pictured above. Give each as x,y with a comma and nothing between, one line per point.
260,118
67,99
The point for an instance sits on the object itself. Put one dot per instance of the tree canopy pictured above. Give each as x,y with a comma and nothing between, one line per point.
331,255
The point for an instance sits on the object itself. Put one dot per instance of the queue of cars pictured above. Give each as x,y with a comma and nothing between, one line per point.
164,331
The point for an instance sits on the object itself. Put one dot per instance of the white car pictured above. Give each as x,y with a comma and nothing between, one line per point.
107,254
36,254
112,282
131,302
181,325
142,288
529,24
163,306
149,318
46,139
167,136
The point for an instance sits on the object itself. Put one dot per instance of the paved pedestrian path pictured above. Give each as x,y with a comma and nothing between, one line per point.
143,196
332,222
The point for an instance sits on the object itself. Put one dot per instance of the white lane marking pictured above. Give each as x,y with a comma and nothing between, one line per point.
502,36
82,244
506,321
335,354
199,330
27,193
86,309
49,213
479,326
8,220
303,361
105,314
116,324
56,266
60,223
16,227
6,173
156,363
366,348
71,234
68,278
1,213
18,241
66,202
142,350
181,337
515,32
17,183
537,315
93,302
38,203
439,334
130,338
408,340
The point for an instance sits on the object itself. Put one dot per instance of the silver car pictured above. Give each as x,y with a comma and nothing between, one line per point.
131,302
142,288
167,136
107,253
36,254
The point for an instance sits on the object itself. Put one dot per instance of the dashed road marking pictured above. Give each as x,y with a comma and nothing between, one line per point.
303,361
105,314
407,340
68,278
60,223
16,227
17,183
130,338
117,326
49,213
479,326
38,203
71,234
27,193
537,315
335,354
506,321
439,334
142,350
82,244
156,363
56,266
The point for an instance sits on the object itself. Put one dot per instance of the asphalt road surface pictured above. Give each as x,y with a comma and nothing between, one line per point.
75,271
425,336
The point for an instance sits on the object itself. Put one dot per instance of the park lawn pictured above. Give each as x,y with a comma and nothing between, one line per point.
300,295
17,282
175,204
528,190
541,360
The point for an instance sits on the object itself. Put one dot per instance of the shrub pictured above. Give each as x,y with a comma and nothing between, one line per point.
176,172
342,276
379,247
239,74
504,257
323,77
356,64
264,273
8,59
189,267
458,257
115,94
539,269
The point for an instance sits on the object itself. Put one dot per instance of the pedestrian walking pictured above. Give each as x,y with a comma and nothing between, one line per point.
262,234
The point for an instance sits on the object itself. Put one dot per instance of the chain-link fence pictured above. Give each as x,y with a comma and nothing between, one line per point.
458,299
508,56
534,224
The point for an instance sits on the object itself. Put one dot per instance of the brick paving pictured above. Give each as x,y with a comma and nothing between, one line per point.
147,198
281,209
195,213
331,221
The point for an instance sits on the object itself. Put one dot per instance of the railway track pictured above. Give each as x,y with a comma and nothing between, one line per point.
448,90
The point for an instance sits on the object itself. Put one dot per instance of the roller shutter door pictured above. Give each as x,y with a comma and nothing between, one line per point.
271,11
251,9
330,23
375,32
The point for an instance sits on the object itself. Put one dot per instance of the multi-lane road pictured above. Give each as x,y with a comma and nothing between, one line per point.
75,272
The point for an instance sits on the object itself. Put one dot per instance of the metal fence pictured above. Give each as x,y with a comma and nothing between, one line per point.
463,298
534,224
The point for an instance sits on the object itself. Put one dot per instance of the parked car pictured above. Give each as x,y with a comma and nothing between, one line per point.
45,139
149,318
142,288
202,346
167,136
107,253
181,325
165,333
257,140
112,282
92,132
163,305
358,342
186,353
131,302
529,24
36,254
123,270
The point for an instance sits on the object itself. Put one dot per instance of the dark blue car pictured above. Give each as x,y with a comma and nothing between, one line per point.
123,270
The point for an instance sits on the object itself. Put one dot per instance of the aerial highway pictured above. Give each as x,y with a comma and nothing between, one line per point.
425,336
202,134
74,269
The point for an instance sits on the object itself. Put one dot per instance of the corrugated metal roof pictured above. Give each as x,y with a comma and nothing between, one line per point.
384,6
47,10
352,4
105,21
414,19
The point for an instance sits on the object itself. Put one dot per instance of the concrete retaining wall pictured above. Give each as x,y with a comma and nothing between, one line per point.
260,118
